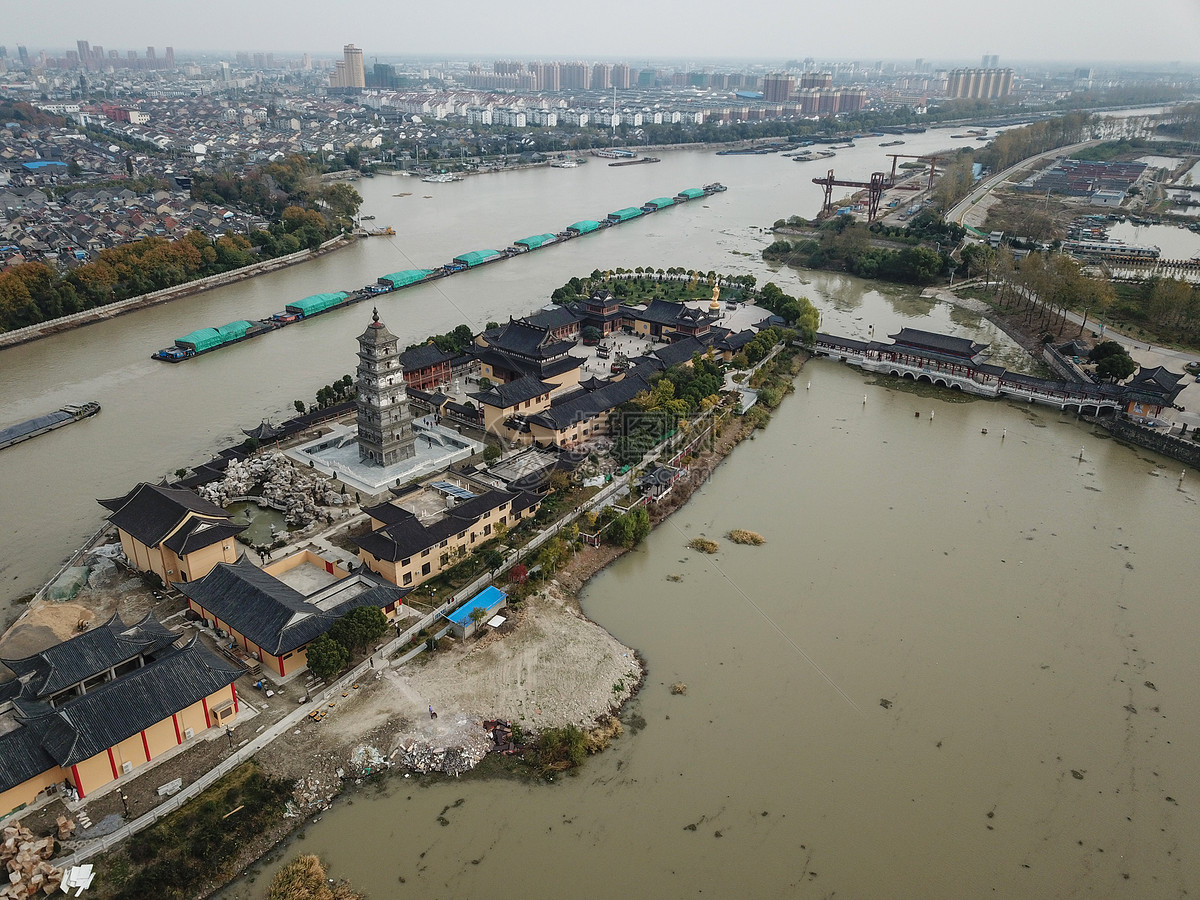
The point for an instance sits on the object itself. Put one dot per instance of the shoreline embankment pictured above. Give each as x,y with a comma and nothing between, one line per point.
29,333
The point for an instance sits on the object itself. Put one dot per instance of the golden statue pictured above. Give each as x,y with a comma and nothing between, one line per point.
716,303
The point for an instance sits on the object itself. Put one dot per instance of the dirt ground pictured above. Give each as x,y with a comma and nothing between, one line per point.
546,666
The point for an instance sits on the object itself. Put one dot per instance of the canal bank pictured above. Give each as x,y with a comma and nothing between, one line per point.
143,301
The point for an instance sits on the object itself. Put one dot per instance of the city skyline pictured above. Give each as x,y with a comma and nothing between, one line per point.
1161,32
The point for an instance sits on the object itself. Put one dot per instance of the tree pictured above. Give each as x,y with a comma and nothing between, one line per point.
560,482
477,615
1116,367
492,559
327,657
343,200
518,574
299,404
491,453
359,627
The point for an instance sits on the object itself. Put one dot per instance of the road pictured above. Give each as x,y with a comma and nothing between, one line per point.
1148,355
959,210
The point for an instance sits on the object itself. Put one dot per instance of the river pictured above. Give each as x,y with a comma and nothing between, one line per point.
962,664
158,417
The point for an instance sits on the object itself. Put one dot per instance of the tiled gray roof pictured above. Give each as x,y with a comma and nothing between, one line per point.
197,533
89,654
150,512
268,612
409,536
582,406
87,725
423,356
504,396
21,757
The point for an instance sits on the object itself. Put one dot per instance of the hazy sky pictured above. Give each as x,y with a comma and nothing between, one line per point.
631,30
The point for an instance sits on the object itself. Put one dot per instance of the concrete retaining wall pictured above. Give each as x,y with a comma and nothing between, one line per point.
108,311
1181,449
1064,367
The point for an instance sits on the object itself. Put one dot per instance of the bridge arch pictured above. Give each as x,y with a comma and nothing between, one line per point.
909,376
925,378
941,382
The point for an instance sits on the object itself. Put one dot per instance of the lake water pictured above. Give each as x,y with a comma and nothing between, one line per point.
1027,616
1175,243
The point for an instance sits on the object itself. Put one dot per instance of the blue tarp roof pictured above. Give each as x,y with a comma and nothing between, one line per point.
489,597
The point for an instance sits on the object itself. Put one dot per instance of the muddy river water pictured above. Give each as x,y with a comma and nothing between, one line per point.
963,664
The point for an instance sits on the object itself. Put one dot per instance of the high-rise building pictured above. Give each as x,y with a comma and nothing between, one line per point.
170,57
621,76
547,75
356,76
85,53
337,78
979,84
823,80
150,53
306,62
23,54
601,77
385,434
778,87
990,62
575,76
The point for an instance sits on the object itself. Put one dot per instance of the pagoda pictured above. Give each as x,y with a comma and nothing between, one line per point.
385,434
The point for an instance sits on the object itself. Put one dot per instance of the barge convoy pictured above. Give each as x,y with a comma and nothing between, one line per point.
205,340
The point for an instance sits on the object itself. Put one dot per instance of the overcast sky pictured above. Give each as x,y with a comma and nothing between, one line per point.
634,31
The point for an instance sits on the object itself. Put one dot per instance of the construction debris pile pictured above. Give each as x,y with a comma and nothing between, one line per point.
23,858
455,760
502,737
310,794
295,492
367,760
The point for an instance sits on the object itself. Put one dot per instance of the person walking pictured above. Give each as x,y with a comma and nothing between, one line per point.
432,714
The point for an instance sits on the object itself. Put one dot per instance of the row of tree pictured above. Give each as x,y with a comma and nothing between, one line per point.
848,246
35,292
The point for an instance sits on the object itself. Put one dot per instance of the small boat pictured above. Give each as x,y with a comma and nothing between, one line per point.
891,143
564,164
366,218
443,178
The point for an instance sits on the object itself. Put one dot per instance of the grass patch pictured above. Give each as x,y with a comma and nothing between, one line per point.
305,878
704,545
197,846
742,536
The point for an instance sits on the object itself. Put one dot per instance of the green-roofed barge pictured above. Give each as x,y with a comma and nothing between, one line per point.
206,340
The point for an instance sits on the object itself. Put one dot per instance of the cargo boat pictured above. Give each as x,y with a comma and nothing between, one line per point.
38,425
206,340
636,162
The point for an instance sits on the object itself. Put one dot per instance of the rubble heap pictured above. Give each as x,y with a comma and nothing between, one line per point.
23,858
295,491
367,760
424,758
310,794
